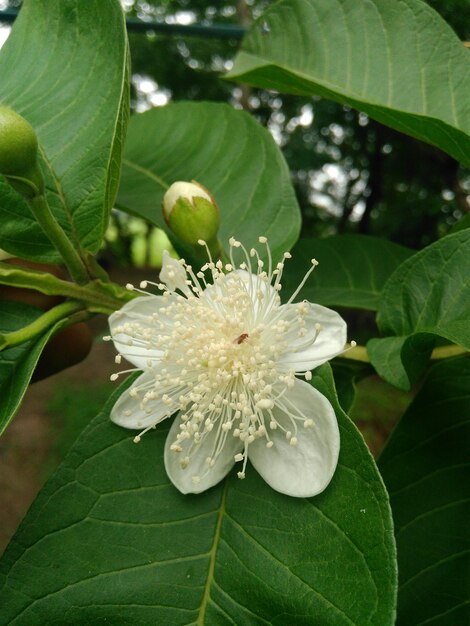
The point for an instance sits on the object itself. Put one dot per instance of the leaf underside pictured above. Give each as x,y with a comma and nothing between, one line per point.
399,62
63,68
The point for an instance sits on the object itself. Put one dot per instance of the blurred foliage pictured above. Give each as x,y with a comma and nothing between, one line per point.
351,174
134,242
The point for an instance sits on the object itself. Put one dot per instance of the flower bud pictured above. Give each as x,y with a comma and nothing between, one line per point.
19,154
191,213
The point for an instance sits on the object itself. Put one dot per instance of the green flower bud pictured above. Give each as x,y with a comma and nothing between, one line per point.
191,213
19,154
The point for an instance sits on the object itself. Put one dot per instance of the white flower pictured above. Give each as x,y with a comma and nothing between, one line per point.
224,354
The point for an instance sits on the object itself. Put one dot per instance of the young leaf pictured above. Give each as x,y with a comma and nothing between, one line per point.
428,295
425,467
64,69
354,269
109,538
225,150
347,374
401,360
399,62
17,364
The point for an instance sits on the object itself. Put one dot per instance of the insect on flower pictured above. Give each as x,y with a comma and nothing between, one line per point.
218,348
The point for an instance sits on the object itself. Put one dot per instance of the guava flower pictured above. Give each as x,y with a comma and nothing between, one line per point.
218,348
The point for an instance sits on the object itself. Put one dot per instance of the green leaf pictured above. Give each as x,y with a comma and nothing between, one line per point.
429,294
399,62
17,364
352,269
401,360
461,224
225,150
64,69
347,374
426,467
110,539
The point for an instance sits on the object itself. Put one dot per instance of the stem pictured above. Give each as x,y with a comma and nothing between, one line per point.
359,353
94,268
445,352
42,212
99,296
39,326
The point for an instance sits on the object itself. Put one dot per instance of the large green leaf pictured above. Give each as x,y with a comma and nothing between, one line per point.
17,364
397,61
225,150
64,69
428,295
352,272
426,469
110,539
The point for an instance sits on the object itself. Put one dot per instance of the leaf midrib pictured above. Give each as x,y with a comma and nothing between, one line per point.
146,172
60,194
213,555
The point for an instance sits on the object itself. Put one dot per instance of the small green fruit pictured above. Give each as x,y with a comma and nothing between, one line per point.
19,153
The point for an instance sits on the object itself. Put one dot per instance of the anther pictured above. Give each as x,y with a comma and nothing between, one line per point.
265,403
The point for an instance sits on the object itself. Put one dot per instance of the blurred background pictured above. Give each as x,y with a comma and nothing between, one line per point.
350,173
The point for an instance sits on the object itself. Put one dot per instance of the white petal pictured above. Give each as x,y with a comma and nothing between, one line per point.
138,311
183,478
127,411
173,274
306,469
305,353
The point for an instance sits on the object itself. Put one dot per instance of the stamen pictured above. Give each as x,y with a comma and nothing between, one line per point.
303,281
215,354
